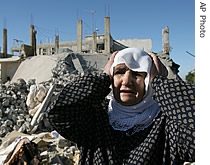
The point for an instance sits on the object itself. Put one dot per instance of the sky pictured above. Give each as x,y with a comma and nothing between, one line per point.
142,19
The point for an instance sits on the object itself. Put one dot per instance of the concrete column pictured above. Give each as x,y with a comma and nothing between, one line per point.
56,43
33,39
165,40
79,36
4,43
94,42
107,42
31,35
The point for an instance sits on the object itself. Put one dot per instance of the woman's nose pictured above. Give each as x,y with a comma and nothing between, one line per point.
127,78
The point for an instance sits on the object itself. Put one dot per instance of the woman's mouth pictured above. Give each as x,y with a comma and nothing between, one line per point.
127,91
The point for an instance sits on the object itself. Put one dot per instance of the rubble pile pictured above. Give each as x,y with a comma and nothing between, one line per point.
22,107
64,71
13,109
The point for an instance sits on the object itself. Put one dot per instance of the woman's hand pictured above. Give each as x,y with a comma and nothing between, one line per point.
157,67
109,64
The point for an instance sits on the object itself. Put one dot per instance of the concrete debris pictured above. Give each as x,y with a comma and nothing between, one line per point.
22,109
47,148
35,97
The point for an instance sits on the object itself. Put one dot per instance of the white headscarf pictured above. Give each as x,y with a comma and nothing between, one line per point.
141,115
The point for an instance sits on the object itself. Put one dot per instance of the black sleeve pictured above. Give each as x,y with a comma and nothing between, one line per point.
176,99
72,114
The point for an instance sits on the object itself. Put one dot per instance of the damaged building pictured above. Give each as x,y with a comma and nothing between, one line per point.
95,45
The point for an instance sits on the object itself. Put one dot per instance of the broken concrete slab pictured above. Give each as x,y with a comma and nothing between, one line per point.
39,67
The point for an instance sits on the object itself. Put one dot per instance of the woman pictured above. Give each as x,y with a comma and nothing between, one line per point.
148,119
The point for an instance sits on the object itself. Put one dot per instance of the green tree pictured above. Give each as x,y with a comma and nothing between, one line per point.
190,77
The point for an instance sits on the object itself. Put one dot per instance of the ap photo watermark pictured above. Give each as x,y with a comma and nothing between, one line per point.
203,20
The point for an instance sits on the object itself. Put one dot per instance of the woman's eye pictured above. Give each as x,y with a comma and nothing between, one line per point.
119,72
139,74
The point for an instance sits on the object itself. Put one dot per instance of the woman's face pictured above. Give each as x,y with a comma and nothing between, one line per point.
128,86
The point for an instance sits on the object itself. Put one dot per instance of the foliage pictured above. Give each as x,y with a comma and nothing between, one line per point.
190,77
